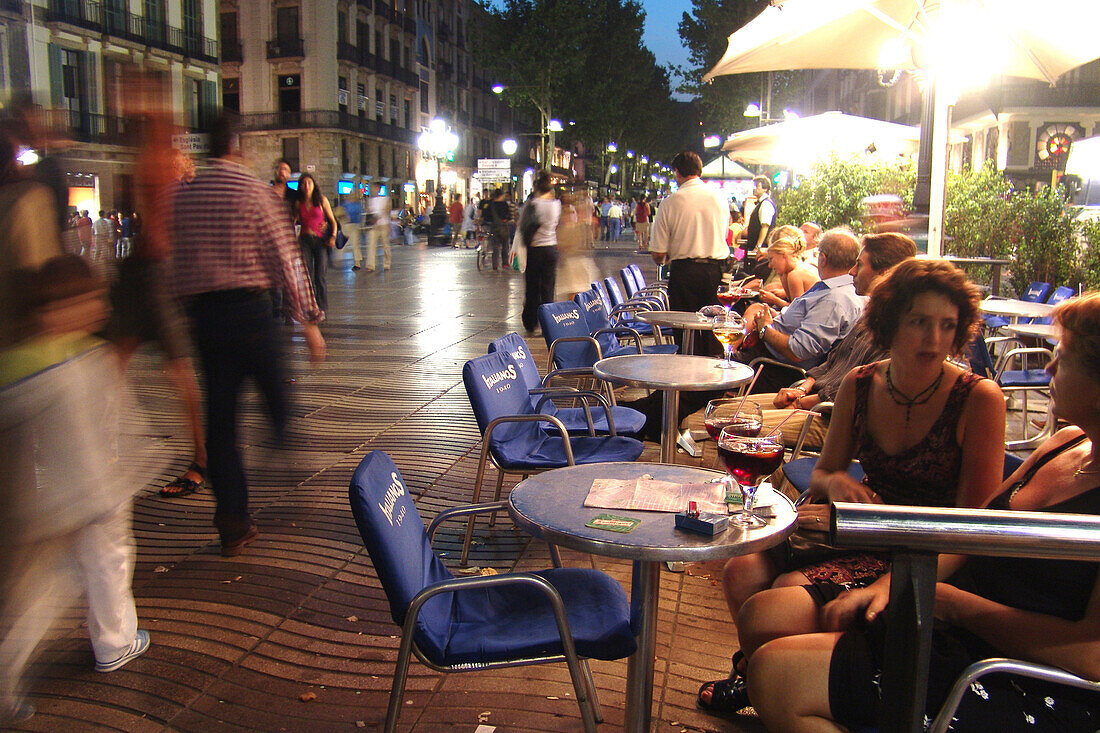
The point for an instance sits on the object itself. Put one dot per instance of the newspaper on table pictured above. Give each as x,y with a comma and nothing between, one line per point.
648,494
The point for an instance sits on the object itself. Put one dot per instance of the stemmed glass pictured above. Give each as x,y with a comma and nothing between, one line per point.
729,329
748,461
739,415
728,294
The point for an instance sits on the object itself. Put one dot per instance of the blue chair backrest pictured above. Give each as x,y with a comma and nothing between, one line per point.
516,346
601,291
394,536
1059,294
639,276
563,320
613,292
977,354
592,309
1036,292
630,283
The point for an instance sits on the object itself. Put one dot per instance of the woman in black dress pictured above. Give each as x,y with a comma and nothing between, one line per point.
815,668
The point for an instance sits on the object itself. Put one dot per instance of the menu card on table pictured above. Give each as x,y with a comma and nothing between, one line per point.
651,495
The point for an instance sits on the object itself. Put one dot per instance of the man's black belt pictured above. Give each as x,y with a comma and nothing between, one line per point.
699,260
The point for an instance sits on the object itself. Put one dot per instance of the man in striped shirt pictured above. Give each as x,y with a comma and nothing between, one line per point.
232,247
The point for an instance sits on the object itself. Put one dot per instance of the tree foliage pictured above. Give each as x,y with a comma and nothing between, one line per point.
832,195
582,61
705,32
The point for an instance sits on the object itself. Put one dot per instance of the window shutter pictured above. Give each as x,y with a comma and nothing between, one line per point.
56,82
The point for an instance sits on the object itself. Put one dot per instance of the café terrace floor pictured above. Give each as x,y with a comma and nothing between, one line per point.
295,634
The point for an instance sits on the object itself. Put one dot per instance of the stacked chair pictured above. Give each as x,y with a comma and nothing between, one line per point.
467,624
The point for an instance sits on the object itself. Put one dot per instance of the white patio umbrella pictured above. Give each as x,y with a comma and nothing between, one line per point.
959,36
723,168
797,143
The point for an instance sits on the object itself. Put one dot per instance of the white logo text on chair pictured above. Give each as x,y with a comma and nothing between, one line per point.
496,377
395,490
568,316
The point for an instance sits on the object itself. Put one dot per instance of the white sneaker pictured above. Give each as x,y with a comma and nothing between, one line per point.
137,648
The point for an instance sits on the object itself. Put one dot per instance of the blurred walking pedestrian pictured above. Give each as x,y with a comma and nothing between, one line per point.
231,246
317,235
537,232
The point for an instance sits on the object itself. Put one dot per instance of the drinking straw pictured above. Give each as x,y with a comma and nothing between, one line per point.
780,423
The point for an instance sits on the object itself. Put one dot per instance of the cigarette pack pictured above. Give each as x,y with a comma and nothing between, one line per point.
705,523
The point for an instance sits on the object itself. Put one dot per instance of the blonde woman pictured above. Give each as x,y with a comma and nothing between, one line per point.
785,259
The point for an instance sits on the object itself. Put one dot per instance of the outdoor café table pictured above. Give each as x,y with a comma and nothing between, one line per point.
1015,309
671,373
995,282
1034,330
688,321
550,506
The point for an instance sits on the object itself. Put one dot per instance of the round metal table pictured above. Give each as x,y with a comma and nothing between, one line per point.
550,506
671,373
1034,330
1015,309
687,321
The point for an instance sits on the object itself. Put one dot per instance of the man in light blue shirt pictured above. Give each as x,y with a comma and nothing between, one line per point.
809,327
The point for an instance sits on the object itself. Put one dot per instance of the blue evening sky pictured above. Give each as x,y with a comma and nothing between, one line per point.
661,36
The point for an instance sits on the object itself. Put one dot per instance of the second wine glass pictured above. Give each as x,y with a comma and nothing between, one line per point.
729,329
748,461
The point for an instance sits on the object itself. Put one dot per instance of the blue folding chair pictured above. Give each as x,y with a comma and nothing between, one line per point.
512,436
575,419
598,319
465,624
1024,381
1035,293
635,287
639,277
573,345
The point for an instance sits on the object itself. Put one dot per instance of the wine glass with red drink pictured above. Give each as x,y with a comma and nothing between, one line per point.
748,461
741,416
728,294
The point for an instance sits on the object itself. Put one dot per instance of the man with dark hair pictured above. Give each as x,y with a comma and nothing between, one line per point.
762,217
689,233
231,248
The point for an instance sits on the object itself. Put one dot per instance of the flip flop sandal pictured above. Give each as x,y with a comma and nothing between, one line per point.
184,486
726,696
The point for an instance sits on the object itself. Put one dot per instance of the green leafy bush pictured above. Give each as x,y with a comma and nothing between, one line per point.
832,194
1044,235
1090,254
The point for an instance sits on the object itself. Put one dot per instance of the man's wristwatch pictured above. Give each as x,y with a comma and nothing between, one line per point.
760,331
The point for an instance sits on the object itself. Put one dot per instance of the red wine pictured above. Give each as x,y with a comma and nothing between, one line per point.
715,424
728,297
747,463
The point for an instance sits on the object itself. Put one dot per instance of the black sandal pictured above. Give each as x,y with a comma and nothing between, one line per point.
184,486
730,695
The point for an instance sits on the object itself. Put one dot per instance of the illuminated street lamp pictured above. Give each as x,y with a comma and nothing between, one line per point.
438,142
509,147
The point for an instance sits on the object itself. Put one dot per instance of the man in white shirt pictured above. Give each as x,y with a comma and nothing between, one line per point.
378,227
615,220
762,217
689,233
103,233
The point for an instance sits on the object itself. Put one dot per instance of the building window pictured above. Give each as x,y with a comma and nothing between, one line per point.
286,25
361,100
290,93
408,115
342,26
290,152
424,97
230,45
192,27
362,35
156,30
342,94
393,109
231,94
381,163
379,49
379,104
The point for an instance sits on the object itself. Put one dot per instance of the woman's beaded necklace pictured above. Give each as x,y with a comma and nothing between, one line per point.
904,400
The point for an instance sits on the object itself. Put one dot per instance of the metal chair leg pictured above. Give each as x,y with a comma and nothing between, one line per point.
496,496
555,556
477,495
400,675
580,688
597,711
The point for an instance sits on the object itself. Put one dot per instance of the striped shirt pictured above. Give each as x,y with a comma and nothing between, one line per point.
230,232
857,348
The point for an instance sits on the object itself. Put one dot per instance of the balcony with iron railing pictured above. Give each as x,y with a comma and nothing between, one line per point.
95,17
285,48
313,119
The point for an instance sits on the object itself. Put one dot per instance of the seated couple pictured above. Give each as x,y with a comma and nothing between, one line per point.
811,655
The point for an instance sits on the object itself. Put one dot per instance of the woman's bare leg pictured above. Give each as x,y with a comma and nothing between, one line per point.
774,614
745,576
183,377
789,683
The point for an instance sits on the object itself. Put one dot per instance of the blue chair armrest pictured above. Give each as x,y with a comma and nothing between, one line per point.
464,510
583,395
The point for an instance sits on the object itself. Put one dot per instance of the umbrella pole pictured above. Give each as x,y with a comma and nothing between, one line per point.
941,129
922,192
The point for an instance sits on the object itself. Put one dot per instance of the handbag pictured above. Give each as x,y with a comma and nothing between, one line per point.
341,238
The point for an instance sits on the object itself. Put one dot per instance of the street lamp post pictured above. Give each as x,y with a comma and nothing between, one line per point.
438,142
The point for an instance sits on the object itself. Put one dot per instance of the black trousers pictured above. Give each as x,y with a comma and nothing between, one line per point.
542,270
236,338
691,285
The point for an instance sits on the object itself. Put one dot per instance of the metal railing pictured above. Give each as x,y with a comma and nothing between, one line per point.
915,535
284,48
94,16
309,119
